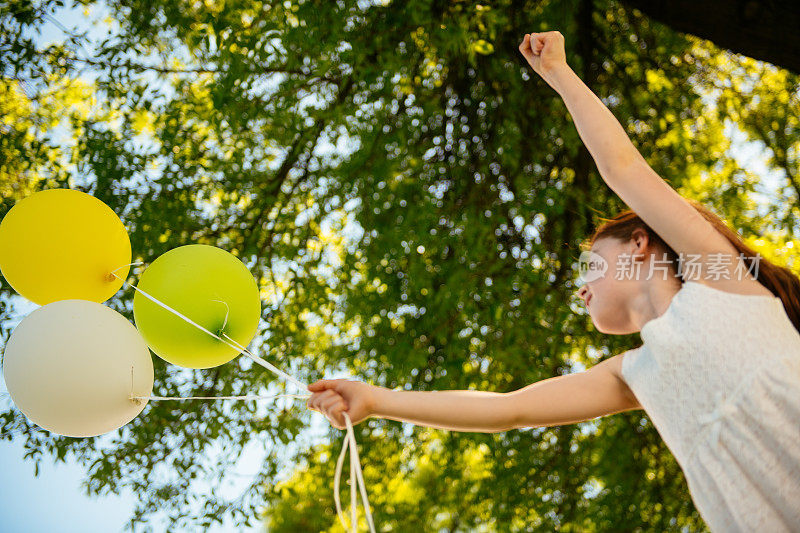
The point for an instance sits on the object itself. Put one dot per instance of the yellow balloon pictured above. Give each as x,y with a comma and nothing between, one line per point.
63,244
212,288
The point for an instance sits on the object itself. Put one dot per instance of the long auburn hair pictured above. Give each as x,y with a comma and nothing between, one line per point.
780,281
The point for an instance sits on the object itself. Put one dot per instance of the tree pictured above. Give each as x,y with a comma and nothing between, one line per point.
760,30
273,129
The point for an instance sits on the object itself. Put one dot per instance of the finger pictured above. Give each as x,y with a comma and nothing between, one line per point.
317,399
525,45
312,404
331,403
329,394
318,385
324,384
334,411
318,396
336,415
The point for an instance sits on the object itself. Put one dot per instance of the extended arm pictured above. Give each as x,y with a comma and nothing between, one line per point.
597,391
555,401
456,410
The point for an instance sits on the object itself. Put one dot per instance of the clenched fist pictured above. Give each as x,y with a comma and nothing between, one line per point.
333,397
544,52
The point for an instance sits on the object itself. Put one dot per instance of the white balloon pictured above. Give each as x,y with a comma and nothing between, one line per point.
71,366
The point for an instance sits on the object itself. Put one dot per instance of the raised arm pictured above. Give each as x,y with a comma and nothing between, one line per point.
620,164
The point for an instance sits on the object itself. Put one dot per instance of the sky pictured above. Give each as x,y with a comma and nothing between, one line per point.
57,489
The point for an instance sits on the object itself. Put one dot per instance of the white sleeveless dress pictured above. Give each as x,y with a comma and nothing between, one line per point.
718,374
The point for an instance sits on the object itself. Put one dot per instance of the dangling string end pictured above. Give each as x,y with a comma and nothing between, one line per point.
134,399
227,312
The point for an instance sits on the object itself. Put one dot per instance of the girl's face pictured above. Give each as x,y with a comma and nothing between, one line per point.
607,296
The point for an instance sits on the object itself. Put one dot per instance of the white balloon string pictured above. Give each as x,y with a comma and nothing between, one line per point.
361,485
227,311
259,397
237,346
353,493
220,397
250,354
336,476
265,364
113,275
350,441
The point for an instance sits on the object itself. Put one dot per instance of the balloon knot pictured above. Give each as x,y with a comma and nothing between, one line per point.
137,401
110,277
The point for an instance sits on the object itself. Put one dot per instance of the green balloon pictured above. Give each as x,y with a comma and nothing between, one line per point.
189,279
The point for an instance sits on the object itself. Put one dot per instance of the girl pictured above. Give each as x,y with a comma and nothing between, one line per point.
718,372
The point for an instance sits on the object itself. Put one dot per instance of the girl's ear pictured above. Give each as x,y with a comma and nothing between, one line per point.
641,239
